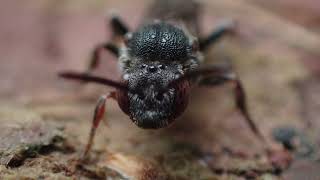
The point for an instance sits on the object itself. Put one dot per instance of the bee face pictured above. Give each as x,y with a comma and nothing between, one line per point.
151,101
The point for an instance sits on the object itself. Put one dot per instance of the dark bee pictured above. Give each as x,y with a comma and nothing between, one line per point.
156,55
160,62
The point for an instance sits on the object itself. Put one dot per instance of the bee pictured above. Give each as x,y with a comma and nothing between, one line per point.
160,62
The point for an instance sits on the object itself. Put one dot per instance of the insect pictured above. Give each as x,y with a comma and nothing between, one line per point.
160,63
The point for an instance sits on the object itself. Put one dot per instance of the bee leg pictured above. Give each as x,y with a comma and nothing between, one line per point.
95,55
98,116
118,27
225,76
222,29
119,30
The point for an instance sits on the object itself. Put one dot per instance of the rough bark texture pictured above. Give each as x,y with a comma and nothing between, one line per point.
45,121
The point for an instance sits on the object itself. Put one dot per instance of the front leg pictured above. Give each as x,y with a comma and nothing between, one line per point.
97,117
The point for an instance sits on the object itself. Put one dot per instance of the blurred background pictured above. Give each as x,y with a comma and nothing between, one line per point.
40,37
275,50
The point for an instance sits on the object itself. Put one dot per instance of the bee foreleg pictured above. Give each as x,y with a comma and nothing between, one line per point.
97,117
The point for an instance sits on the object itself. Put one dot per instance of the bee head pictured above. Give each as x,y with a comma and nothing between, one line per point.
154,56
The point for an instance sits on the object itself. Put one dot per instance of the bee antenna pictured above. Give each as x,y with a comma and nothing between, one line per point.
84,77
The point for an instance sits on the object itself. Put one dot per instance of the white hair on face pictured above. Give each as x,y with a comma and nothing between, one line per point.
126,76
